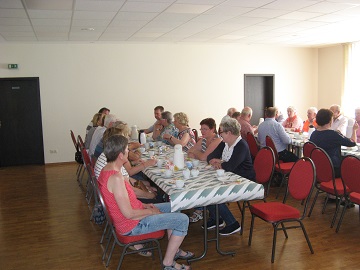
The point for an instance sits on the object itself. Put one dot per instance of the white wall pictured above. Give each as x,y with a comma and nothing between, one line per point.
331,75
200,80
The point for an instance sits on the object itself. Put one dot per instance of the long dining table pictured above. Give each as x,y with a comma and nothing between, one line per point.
201,191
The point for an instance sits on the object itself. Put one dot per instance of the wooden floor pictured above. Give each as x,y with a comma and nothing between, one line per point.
44,224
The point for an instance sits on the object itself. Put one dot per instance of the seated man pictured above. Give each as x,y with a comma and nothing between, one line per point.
157,125
244,120
311,121
232,155
340,122
270,127
229,114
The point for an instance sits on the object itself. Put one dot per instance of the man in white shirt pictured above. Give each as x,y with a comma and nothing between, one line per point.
340,122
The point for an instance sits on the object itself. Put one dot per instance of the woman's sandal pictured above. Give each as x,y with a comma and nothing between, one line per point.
172,267
142,253
188,255
196,216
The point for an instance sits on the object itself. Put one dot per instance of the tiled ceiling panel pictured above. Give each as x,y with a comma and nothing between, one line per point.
304,23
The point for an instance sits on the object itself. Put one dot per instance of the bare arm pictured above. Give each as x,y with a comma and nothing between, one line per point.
116,185
183,141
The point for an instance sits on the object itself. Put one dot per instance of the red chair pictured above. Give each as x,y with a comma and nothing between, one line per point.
280,167
350,167
79,170
326,181
264,165
253,144
152,239
307,148
300,186
81,142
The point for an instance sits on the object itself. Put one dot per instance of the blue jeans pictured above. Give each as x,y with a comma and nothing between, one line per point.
224,213
177,222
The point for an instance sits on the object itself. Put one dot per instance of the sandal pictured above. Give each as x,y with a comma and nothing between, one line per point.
196,216
188,255
142,252
172,267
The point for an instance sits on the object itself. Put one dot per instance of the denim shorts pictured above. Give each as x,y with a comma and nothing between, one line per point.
178,223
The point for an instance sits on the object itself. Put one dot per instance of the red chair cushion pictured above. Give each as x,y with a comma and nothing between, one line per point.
355,197
128,239
284,167
328,187
274,211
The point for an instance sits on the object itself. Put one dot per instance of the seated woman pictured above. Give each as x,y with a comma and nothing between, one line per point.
331,140
144,192
169,128
98,120
185,137
132,217
204,146
293,121
232,155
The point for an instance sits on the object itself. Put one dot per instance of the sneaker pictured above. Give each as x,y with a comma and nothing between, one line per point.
233,228
211,224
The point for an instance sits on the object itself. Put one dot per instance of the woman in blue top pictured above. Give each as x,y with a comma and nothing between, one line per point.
331,140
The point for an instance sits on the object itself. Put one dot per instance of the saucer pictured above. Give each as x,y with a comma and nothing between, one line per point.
177,188
159,172
223,178
167,177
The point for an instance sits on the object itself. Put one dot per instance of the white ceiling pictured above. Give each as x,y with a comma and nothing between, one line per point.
277,22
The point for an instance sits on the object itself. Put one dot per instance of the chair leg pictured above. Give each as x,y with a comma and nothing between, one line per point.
251,229
342,215
109,237
313,204
336,211
284,230
274,241
104,232
306,237
325,204
242,211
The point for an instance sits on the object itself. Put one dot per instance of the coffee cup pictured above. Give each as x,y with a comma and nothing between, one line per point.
194,172
151,153
195,162
142,150
158,143
147,145
179,183
160,163
168,173
186,173
220,172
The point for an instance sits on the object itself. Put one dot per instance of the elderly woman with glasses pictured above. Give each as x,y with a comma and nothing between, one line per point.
232,155
169,128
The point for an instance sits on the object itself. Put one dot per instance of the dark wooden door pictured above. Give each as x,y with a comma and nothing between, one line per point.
21,138
258,94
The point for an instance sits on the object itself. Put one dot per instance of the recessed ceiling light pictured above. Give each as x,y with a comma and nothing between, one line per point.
88,29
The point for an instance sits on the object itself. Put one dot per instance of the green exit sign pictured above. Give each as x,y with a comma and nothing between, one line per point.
12,66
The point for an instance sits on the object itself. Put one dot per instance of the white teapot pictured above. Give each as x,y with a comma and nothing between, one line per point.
178,157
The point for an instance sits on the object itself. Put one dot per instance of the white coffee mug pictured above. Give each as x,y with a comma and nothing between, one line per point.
195,162
194,172
179,183
186,173
159,163
168,173
151,153
220,172
142,150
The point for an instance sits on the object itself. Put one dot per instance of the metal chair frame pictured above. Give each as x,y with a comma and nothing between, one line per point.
297,177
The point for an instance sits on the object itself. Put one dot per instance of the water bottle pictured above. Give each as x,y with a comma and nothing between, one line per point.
311,130
142,138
